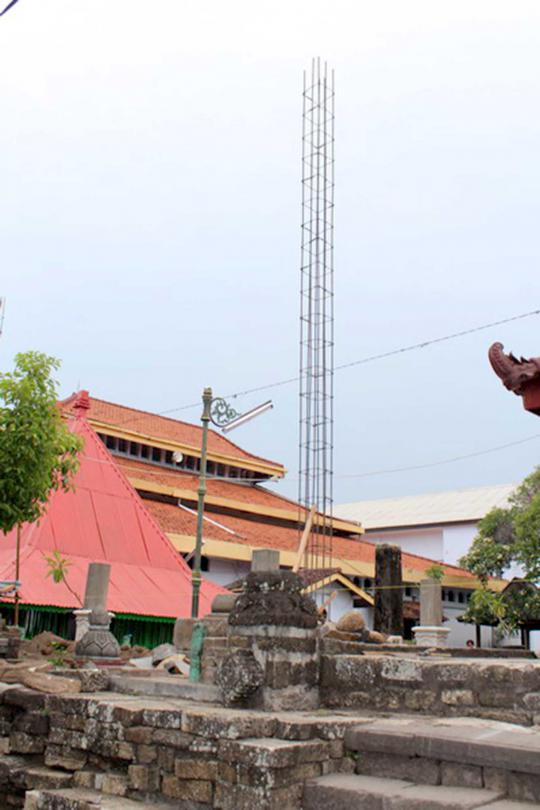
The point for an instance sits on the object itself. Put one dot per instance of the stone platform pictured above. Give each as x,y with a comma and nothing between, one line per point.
109,750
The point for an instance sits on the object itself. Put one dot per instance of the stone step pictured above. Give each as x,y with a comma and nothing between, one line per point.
461,752
346,792
84,799
468,741
24,774
165,686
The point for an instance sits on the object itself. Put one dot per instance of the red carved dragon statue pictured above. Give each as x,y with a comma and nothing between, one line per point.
515,373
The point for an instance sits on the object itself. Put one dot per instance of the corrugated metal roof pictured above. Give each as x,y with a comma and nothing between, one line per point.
431,509
103,520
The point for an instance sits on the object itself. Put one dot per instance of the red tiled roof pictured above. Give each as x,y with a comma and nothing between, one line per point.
246,493
103,520
162,427
257,533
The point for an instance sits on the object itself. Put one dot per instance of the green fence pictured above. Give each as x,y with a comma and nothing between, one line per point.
146,631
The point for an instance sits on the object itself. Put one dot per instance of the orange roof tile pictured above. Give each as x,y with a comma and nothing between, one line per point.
267,535
236,491
161,427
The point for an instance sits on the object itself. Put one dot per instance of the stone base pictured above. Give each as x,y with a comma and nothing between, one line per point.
183,630
82,622
289,659
10,641
431,636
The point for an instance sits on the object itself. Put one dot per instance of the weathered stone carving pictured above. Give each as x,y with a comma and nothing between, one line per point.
515,373
239,676
98,643
274,598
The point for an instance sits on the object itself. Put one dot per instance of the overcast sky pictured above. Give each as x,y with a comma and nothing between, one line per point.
150,213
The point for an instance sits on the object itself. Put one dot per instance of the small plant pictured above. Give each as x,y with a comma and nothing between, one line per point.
58,568
435,572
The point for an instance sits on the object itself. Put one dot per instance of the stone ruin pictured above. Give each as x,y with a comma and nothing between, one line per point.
285,717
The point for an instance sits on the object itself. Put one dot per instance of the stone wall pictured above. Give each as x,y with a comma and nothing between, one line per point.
190,755
508,691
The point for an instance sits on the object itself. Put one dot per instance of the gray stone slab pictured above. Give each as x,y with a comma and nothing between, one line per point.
264,560
385,740
428,797
509,804
347,792
165,687
494,745
81,799
497,749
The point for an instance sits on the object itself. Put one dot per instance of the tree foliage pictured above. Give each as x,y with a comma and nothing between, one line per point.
38,454
505,537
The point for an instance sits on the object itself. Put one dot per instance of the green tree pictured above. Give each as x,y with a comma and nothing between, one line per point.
38,454
505,537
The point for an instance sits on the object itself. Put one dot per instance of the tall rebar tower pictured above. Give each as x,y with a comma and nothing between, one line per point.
317,311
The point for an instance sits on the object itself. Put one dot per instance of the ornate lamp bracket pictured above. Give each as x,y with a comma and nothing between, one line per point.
221,413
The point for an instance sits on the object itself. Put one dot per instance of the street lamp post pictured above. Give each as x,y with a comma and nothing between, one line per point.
196,572
222,415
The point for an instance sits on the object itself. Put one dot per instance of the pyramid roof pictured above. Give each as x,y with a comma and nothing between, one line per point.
102,520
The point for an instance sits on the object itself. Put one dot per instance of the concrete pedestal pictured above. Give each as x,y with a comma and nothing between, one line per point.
288,658
82,622
431,636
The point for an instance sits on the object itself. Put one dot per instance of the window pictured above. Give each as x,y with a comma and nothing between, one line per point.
460,597
111,442
451,596
204,562
122,446
156,453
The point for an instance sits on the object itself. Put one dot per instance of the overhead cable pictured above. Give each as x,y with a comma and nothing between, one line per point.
363,360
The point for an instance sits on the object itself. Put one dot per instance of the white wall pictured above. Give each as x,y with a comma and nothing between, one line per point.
223,572
460,632
457,540
338,606
425,542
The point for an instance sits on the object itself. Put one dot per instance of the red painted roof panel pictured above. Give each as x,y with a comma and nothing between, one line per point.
103,520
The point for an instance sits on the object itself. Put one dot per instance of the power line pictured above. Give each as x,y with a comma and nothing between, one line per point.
444,461
362,361
7,8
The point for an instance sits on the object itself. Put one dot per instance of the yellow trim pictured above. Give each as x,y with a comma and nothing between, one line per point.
346,584
165,444
226,550
230,503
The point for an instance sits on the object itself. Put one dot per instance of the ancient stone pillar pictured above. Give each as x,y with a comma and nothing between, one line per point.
430,632
95,596
430,603
273,662
388,590
97,585
98,643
